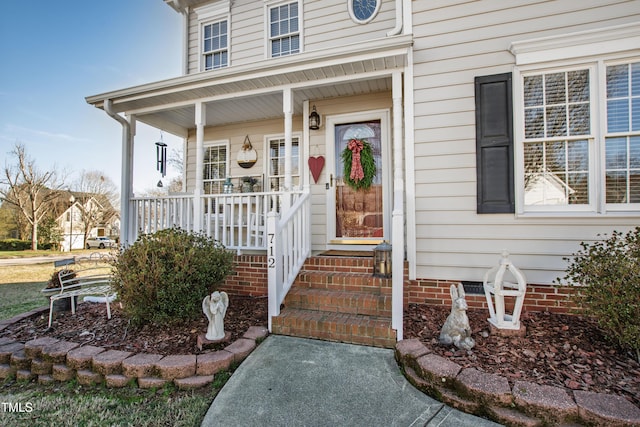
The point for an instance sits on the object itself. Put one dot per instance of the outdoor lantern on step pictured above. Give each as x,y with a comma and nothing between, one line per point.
382,260
496,288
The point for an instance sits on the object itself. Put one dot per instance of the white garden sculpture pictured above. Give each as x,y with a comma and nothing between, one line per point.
215,307
496,287
456,329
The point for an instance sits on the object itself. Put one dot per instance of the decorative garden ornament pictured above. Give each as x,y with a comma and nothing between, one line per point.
495,285
215,308
456,329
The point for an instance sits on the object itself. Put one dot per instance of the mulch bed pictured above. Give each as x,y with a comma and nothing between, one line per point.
558,350
90,326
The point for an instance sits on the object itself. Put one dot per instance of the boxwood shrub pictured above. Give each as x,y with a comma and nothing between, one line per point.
609,274
163,277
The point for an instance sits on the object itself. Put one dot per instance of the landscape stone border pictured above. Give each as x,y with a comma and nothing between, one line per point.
47,360
525,404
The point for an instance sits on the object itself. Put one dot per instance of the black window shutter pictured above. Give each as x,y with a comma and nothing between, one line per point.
494,144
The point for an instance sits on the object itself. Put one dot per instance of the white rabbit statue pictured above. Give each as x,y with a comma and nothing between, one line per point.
456,328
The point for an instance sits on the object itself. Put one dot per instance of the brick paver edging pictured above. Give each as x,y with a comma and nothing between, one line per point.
48,359
525,404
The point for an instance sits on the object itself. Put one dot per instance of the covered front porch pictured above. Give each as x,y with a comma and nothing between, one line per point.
270,103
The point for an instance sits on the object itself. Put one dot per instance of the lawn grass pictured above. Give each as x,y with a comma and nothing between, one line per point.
20,287
70,404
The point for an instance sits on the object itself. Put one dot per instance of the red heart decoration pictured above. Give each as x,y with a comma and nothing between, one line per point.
316,164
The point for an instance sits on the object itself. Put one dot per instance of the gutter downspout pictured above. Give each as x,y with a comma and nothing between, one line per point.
185,42
398,28
126,189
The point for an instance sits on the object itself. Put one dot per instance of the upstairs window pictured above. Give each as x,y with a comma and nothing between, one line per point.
284,29
215,45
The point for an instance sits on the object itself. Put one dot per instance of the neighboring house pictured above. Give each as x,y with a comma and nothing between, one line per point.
463,102
86,215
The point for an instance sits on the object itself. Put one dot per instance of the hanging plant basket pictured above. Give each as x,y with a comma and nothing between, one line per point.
359,164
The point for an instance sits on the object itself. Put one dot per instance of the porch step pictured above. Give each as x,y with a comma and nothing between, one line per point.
341,327
344,281
367,304
338,299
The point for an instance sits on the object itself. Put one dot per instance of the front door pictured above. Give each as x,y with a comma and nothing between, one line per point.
357,213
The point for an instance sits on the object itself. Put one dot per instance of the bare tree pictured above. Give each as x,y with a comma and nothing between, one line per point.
30,190
96,200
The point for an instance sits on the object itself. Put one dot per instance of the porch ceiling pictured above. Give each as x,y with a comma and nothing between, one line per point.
254,92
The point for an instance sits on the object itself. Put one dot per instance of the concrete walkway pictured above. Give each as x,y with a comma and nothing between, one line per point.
299,382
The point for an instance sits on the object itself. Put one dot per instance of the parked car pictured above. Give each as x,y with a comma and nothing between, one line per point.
99,242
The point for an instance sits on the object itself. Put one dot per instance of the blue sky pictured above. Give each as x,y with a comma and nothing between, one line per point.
54,54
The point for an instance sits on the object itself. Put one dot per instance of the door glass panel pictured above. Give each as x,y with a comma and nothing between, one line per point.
359,213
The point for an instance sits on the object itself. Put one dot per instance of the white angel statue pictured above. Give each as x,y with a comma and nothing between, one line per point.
215,307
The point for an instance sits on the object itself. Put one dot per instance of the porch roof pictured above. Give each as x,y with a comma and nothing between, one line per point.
254,91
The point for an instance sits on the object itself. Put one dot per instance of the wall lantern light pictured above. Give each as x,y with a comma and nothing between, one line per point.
314,119
382,260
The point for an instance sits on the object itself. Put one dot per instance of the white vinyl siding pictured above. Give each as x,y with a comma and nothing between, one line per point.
455,41
325,24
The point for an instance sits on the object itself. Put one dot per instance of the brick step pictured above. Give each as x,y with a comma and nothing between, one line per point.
343,281
339,301
339,327
340,264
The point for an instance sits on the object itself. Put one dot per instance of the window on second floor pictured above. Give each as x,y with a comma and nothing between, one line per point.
284,29
215,45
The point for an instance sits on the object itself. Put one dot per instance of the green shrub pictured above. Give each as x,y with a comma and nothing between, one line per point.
609,272
15,245
164,276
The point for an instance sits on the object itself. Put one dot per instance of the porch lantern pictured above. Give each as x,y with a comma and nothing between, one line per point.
314,119
382,260
496,288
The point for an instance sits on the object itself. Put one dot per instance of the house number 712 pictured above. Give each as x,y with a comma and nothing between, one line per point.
271,259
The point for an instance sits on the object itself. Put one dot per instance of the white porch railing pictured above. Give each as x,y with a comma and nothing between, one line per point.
238,221
289,245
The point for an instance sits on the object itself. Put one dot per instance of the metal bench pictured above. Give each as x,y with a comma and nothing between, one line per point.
89,281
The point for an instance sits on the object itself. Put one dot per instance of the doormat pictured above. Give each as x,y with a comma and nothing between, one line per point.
334,252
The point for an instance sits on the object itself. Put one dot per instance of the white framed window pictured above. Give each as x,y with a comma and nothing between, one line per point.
214,37
216,166
284,35
215,45
275,178
363,11
577,122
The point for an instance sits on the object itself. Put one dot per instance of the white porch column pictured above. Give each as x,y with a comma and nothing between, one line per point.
397,233
126,174
201,117
287,109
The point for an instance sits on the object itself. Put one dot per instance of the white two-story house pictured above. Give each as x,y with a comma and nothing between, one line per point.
492,125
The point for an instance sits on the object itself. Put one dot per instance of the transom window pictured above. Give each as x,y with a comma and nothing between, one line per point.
562,145
277,160
284,30
215,168
215,42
